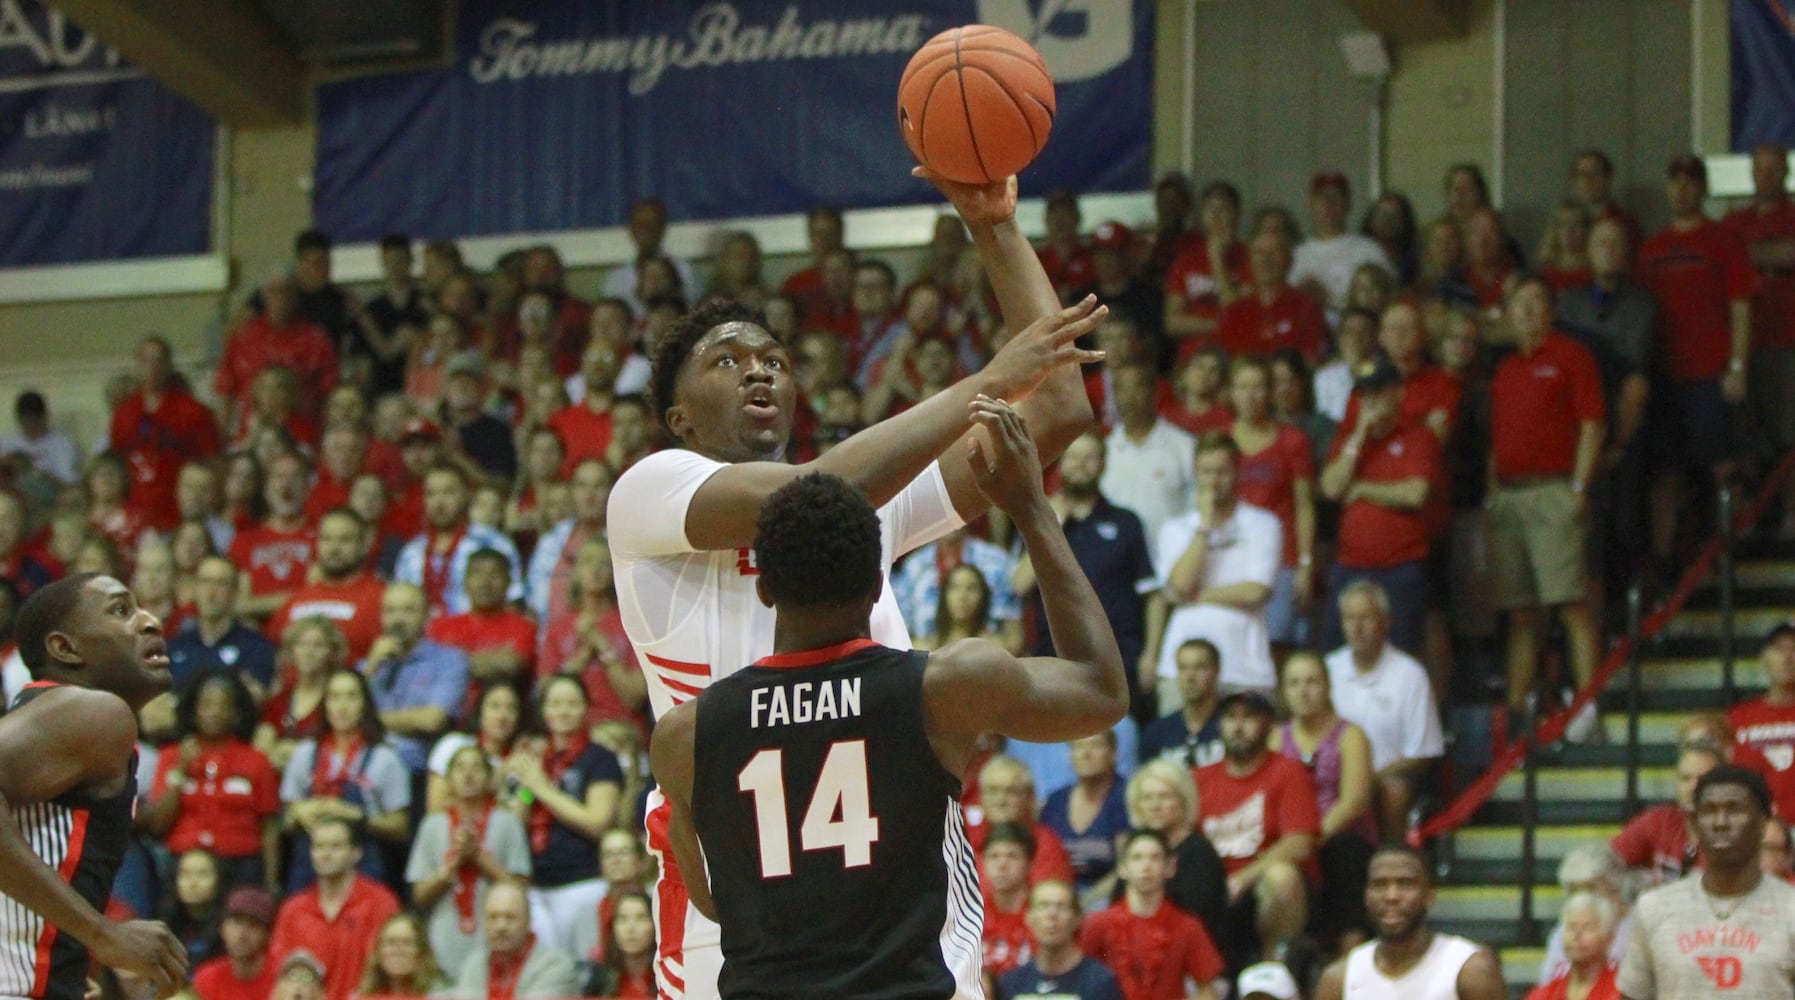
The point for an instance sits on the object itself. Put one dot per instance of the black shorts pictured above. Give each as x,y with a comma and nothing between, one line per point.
1696,429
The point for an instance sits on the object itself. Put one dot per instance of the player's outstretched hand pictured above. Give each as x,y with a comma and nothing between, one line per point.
1047,343
978,204
1008,470
145,949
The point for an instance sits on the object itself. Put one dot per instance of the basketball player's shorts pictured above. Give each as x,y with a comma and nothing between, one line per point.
690,946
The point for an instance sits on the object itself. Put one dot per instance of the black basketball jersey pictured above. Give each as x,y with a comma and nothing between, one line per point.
84,839
837,855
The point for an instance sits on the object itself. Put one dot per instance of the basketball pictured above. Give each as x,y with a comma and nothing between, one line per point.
975,104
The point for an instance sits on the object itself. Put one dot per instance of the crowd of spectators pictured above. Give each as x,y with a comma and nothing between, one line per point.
1333,466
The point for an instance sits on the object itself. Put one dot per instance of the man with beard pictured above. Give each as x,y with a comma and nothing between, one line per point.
1727,930
68,789
1410,959
1111,547
339,587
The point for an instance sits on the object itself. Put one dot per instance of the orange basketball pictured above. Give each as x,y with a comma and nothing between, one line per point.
976,104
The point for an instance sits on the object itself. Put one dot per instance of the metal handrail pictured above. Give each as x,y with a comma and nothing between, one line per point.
1529,817
1728,580
1635,614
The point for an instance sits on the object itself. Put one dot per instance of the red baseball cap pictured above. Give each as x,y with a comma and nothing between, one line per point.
1111,235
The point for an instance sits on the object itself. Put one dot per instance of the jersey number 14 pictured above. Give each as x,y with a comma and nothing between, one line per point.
839,815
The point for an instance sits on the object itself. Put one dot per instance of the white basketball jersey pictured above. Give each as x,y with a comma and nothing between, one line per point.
1435,977
693,617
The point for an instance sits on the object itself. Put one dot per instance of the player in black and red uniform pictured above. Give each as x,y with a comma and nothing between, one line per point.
68,778
842,760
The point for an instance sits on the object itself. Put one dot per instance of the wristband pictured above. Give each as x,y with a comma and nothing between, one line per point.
1736,365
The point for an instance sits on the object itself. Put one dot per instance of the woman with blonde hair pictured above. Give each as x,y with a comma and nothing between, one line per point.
1162,796
402,963
1564,252
311,649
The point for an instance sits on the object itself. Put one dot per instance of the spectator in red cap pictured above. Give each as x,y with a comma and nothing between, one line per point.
1115,281
1209,274
1327,259
1702,276
246,971
1273,316
157,429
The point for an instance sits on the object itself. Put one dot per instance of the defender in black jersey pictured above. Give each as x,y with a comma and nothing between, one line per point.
820,786
68,780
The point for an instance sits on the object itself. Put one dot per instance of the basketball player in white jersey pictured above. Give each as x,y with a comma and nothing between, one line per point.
1409,960
68,780
681,521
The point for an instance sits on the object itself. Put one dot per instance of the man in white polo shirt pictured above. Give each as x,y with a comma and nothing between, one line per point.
1215,566
1385,691
1149,467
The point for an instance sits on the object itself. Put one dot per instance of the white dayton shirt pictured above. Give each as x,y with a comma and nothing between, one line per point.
693,616
1393,702
1244,549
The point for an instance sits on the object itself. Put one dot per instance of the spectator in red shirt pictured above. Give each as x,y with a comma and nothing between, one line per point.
246,969
544,272
1488,266
1702,277
1547,422
1198,405
274,410
1563,258
275,336
1767,723
157,429
1063,254
1277,473
500,643
1430,396
215,791
585,427
342,456
1767,227
808,287
337,918
1157,951
1660,840
275,552
1273,315
1382,473
109,510
20,568
1197,290
1172,230
1003,872
338,586
1260,810
1007,795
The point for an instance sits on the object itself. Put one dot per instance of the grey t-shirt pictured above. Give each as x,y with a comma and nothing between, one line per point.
505,838
381,778
1682,947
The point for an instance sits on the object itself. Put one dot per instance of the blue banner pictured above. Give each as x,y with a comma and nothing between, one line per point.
557,114
1763,86
98,162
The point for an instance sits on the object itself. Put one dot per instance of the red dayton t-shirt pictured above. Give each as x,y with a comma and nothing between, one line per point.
583,433
1766,736
230,789
1695,275
1537,404
275,560
1292,321
1267,479
1773,310
1151,956
1190,281
1243,817
1373,536
354,605
473,632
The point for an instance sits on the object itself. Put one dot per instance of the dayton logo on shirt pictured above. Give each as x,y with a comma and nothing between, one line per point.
1241,833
